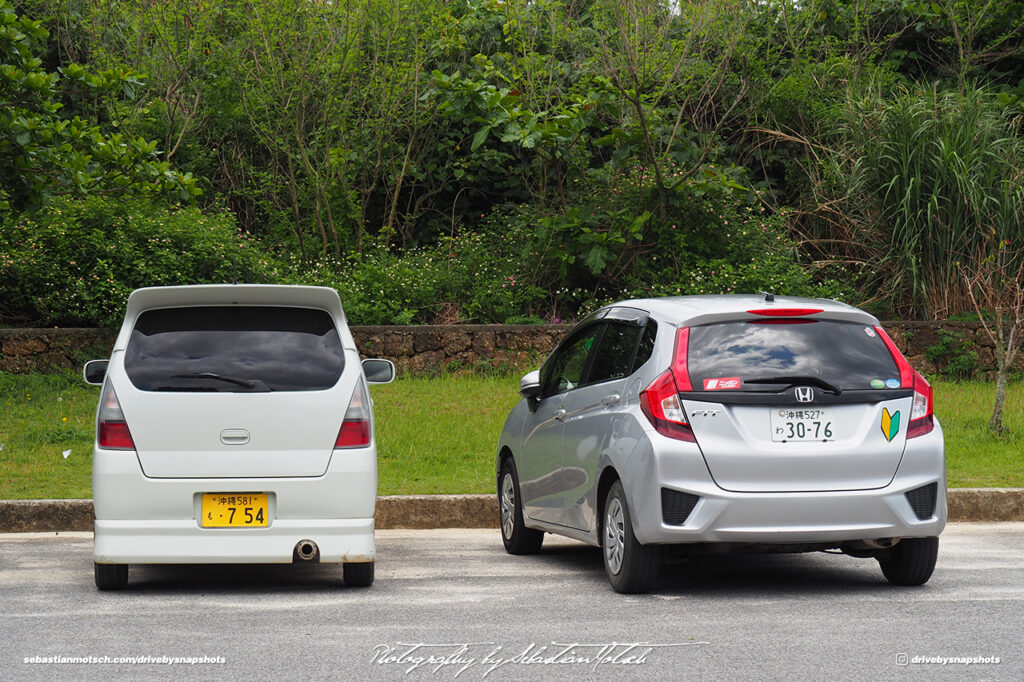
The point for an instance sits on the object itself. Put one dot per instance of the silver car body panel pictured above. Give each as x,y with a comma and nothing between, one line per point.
751,490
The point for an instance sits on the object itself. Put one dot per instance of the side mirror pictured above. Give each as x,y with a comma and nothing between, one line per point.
378,371
529,388
529,385
95,371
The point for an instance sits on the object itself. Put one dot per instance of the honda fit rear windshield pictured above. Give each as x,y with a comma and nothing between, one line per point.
771,355
234,349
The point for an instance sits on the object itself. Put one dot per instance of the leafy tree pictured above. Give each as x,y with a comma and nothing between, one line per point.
43,153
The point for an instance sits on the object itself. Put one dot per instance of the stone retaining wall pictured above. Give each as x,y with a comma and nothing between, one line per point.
423,350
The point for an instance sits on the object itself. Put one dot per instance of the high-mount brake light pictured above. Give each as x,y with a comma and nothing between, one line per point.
660,400
922,411
786,312
355,428
111,428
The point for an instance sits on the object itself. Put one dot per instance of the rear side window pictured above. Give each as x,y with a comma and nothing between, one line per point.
564,370
847,355
624,347
615,354
234,349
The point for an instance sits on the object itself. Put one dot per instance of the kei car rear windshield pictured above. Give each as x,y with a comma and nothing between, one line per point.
846,355
234,349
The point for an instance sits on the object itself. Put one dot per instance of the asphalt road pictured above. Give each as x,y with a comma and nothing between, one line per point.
472,608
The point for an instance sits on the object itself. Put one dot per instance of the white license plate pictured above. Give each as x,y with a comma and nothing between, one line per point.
801,425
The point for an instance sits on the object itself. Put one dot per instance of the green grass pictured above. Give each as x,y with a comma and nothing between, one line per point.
434,435
440,435
41,417
975,458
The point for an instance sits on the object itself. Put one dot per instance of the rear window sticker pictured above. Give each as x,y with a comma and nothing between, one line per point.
722,384
877,383
869,331
892,383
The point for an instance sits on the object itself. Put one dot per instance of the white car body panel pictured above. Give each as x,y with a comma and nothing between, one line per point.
148,501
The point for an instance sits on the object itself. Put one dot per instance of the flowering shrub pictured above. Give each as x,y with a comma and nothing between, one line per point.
467,277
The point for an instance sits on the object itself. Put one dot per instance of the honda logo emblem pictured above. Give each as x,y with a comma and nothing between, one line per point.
804,394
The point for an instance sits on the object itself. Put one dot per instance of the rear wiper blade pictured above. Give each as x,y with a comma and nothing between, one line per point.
247,383
792,381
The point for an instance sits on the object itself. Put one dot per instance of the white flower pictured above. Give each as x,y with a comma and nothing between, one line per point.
66,453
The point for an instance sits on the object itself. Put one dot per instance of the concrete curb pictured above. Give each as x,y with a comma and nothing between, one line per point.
458,511
393,511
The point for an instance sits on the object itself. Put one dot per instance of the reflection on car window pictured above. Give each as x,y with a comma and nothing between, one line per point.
614,356
236,349
564,371
646,347
848,355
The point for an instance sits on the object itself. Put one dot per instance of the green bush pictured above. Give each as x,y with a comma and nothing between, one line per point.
956,355
75,262
472,276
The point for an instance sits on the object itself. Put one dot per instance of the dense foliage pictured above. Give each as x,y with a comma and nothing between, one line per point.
503,160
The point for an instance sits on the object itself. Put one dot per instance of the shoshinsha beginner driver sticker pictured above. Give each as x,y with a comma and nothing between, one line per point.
890,423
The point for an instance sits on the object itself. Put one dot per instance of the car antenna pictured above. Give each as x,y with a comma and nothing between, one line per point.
768,298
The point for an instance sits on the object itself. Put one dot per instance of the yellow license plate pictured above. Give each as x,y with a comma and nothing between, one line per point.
234,510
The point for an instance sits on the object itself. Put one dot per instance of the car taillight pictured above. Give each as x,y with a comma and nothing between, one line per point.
922,411
111,428
922,418
355,428
660,401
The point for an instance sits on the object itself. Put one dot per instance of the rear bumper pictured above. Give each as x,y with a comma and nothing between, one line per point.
789,517
142,520
165,542
797,518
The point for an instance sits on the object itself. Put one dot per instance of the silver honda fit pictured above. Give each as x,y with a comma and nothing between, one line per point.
752,422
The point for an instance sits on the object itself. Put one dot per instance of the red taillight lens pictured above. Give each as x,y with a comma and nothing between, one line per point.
111,428
785,312
906,371
355,428
680,372
660,401
115,436
922,417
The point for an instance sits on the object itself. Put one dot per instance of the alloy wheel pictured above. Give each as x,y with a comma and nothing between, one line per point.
614,536
508,505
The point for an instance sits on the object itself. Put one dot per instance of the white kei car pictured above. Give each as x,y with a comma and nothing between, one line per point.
234,426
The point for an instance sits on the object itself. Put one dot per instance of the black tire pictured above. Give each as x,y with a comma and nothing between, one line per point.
358,575
911,561
631,567
111,576
518,539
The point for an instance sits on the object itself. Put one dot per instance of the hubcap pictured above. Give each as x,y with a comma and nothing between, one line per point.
508,505
614,536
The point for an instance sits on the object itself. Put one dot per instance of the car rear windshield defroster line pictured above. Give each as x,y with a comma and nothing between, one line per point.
260,347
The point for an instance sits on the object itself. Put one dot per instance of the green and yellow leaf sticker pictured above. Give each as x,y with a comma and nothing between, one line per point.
890,423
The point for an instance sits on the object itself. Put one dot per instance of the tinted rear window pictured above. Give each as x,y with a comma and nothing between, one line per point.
847,355
238,349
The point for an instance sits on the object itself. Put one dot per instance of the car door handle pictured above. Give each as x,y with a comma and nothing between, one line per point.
559,415
610,400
